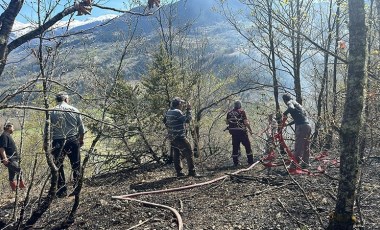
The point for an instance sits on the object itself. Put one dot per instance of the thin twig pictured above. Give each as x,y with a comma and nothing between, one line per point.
267,190
180,206
138,225
286,210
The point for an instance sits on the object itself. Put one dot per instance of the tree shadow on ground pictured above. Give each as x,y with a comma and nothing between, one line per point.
153,185
119,176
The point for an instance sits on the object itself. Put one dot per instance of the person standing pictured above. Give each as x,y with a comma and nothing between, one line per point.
67,133
175,121
302,131
10,157
238,127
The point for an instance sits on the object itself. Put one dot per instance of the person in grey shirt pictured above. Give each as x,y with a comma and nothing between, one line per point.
303,131
67,132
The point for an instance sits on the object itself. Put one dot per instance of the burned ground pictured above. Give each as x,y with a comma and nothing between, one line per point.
254,199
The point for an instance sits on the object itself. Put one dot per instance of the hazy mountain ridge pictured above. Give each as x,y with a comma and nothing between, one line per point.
101,36
20,28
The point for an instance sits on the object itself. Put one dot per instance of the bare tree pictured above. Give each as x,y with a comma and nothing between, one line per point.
8,17
261,38
46,59
329,78
295,17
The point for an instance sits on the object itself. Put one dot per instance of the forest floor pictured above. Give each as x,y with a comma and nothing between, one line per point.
254,198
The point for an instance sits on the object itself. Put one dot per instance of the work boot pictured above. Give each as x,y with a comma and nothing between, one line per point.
250,159
168,159
62,192
193,173
236,161
13,185
180,174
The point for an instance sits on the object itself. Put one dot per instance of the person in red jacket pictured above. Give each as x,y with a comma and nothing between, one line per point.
238,127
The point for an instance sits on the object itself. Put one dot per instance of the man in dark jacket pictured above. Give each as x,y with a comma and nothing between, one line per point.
175,121
9,156
302,131
238,126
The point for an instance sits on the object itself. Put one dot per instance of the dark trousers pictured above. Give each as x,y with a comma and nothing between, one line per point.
71,148
13,168
182,146
241,137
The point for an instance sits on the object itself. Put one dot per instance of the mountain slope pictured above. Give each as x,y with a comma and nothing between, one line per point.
103,38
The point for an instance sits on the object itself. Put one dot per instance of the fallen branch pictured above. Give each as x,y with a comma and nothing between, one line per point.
138,225
267,190
180,206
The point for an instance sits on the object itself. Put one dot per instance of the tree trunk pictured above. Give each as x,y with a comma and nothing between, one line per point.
298,55
343,216
329,137
324,98
272,55
378,18
7,19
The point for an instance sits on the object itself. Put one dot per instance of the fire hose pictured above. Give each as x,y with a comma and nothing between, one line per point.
268,160
176,213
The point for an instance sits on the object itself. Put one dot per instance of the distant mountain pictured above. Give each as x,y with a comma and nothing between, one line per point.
200,13
100,34
20,28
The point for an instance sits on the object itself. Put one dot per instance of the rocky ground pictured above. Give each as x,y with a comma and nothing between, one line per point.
256,198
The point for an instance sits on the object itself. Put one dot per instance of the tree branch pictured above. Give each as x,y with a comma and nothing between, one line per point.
126,11
41,29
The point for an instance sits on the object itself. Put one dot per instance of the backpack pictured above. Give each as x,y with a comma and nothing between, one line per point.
235,119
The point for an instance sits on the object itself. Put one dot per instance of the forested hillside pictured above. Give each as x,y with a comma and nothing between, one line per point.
123,73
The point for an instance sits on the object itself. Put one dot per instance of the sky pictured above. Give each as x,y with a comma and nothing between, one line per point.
28,12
